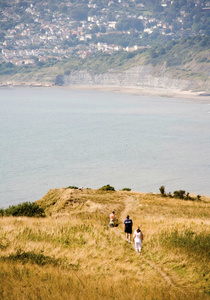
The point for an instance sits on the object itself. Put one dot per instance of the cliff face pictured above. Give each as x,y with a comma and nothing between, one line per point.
144,76
141,76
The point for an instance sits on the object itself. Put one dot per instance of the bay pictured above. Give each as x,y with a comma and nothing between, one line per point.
56,137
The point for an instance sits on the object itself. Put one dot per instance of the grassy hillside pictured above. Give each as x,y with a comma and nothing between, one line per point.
73,254
187,58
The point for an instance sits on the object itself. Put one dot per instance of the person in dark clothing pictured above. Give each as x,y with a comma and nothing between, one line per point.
128,228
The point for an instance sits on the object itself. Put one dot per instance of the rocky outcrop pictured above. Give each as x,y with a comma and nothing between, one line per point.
141,76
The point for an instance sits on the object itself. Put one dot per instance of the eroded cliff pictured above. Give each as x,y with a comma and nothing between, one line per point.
141,76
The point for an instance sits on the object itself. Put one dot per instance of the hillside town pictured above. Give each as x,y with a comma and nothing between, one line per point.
30,33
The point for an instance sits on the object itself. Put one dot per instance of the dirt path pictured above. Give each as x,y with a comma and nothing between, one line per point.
129,206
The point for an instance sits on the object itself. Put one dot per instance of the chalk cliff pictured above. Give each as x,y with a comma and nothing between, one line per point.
141,76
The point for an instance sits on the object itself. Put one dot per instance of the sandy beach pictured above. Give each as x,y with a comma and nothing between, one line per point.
202,96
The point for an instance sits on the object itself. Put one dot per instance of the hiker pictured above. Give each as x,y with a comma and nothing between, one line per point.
138,238
135,231
128,228
112,219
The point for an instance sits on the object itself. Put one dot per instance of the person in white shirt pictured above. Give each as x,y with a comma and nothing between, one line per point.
135,231
112,219
138,238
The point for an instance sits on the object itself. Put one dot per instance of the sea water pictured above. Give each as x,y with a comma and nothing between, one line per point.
57,137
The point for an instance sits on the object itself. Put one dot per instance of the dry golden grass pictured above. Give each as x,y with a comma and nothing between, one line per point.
73,254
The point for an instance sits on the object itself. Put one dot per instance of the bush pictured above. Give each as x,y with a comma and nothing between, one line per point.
126,189
72,187
183,195
179,194
59,80
1,212
27,209
162,190
107,188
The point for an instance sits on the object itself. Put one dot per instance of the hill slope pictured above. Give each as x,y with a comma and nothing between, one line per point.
73,254
179,65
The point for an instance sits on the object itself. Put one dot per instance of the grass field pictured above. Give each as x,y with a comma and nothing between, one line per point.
73,254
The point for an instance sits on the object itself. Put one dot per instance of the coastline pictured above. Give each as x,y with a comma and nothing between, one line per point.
139,91
134,90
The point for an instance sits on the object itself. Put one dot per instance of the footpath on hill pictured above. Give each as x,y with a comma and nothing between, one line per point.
129,206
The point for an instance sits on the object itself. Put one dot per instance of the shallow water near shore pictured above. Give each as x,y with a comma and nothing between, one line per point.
55,137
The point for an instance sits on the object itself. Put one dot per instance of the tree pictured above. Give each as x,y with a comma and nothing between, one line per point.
95,29
153,53
161,51
176,25
54,8
2,35
179,194
79,14
162,190
103,29
158,8
59,80
155,34
63,9
92,12
110,16
127,24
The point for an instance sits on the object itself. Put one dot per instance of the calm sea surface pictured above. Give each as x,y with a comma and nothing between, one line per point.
54,137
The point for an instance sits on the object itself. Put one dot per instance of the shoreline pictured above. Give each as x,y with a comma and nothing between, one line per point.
139,91
134,90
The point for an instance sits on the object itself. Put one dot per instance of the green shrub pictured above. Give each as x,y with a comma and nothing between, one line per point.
27,209
72,187
59,80
107,188
126,189
1,212
179,194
